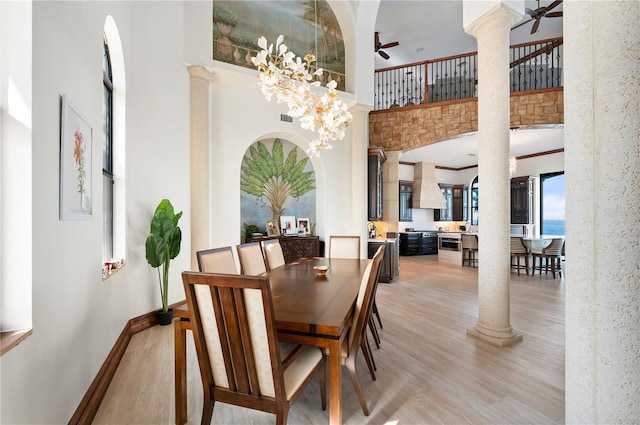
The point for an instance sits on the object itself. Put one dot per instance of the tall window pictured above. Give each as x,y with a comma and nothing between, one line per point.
107,153
552,200
474,202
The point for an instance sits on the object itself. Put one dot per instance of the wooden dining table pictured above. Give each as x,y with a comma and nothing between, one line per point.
309,309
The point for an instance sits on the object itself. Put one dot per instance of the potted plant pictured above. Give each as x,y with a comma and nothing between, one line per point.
162,246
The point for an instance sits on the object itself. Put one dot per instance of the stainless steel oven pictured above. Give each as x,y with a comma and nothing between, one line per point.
449,244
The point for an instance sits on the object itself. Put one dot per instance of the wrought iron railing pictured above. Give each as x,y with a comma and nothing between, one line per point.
533,66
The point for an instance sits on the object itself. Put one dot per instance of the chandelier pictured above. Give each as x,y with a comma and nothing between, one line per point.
288,78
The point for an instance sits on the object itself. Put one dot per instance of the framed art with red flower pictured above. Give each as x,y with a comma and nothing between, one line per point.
75,164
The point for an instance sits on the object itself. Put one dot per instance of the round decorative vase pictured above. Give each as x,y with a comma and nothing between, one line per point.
165,317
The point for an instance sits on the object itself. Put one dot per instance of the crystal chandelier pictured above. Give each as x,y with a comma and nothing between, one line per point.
288,77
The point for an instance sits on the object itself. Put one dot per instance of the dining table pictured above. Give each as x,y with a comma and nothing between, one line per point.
309,309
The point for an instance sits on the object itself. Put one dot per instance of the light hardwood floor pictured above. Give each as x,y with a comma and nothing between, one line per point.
429,371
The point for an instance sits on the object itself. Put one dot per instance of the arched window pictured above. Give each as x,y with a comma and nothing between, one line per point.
474,202
107,153
113,144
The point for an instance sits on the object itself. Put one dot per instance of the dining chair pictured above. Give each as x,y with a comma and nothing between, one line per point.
251,258
552,256
344,246
217,260
469,249
519,250
356,340
273,253
236,340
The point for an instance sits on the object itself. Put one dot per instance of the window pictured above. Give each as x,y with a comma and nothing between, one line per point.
107,154
474,202
113,145
552,201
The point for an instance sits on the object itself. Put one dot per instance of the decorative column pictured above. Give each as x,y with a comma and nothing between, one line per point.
602,168
201,79
359,143
491,29
391,192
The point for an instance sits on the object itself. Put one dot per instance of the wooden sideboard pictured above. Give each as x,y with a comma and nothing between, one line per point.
294,247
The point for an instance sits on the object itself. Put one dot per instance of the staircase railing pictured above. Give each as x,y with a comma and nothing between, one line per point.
533,66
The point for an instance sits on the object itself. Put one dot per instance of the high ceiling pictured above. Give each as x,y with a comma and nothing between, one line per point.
429,29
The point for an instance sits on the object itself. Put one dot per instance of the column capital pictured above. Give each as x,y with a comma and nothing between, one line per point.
199,72
498,16
358,108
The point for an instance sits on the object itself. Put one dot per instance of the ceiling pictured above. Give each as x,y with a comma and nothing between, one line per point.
429,29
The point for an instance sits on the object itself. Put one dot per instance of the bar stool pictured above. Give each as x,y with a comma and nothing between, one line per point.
552,256
518,250
469,250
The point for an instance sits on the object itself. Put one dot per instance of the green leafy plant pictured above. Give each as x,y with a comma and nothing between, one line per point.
163,244
224,15
268,174
250,229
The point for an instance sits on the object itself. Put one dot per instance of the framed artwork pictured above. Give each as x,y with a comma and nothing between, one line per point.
303,224
288,225
272,228
75,164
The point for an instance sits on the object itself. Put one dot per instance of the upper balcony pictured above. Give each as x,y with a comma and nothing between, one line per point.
426,102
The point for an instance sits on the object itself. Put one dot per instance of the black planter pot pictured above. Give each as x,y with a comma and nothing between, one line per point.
165,318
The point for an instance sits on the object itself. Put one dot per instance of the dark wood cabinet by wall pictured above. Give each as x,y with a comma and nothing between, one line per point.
375,160
295,247
456,198
406,190
522,200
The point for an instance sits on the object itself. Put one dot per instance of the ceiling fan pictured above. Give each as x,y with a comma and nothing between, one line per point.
539,13
377,46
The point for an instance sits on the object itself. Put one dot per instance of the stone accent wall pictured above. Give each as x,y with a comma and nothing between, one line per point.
402,129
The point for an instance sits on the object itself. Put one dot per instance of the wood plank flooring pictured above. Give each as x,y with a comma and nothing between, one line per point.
429,371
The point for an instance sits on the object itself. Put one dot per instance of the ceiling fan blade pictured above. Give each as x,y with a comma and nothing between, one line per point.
376,41
388,45
536,24
553,5
553,15
522,23
383,54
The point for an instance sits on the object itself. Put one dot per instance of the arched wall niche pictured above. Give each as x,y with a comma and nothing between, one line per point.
269,189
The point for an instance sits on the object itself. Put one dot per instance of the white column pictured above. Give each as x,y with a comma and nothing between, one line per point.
201,78
491,30
359,143
602,168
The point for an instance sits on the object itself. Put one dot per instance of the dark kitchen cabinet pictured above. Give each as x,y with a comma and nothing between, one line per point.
406,190
388,269
456,200
522,200
410,243
375,160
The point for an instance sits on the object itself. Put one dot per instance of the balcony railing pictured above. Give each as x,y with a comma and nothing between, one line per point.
533,66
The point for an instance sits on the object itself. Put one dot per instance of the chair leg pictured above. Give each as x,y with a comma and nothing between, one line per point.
377,313
374,332
323,383
351,367
368,357
207,410
518,264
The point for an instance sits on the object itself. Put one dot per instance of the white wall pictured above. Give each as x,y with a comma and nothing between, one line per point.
76,316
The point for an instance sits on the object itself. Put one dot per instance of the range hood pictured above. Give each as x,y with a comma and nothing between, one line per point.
426,192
